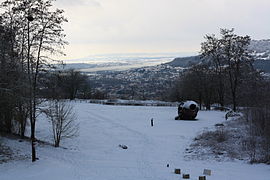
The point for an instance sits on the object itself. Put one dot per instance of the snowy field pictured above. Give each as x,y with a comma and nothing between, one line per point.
95,153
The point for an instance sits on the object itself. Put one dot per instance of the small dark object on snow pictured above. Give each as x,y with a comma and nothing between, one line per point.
219,125
123,146
177,171
187,110
168,165
202,177
207,172
220,153
152,122
186,176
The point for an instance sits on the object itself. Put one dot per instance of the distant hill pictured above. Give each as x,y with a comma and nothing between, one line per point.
262,64
261,51
259,48
185,61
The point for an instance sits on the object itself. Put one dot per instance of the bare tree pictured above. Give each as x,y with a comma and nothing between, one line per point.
68,84
197,83
236,54
229,57
211,50
73,82
62,119
21,115
38,33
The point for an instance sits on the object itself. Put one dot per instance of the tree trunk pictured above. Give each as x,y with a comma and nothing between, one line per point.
33,142
234,100
31,98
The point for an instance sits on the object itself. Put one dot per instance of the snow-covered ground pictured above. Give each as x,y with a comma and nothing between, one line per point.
95,154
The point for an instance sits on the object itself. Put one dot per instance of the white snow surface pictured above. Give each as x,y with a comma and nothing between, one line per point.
188,103
95,154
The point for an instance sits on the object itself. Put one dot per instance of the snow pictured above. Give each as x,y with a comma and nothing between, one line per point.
95,154
260,49
188,103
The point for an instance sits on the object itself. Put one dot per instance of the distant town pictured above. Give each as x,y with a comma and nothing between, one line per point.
141,83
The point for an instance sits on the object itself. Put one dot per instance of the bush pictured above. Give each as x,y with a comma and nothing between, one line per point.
224,142
5,153
258,140
62,119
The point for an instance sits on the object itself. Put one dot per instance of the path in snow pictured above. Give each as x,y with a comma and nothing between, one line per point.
95,154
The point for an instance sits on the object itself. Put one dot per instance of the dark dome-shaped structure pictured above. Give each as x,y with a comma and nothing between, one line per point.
187,110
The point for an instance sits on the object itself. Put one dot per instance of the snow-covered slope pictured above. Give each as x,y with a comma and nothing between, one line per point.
95,154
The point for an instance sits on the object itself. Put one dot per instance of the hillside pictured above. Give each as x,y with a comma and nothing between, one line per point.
95,153
151,82
185,61
259,48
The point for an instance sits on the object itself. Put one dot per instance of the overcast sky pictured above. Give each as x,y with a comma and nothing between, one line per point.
154,26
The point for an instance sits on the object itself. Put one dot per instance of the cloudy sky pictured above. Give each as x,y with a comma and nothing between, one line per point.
154,26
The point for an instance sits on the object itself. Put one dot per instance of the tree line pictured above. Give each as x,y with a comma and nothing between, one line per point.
226,78
30,33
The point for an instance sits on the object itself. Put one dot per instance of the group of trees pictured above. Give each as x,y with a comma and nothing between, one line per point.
226,77
66,84
30,32
226,70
